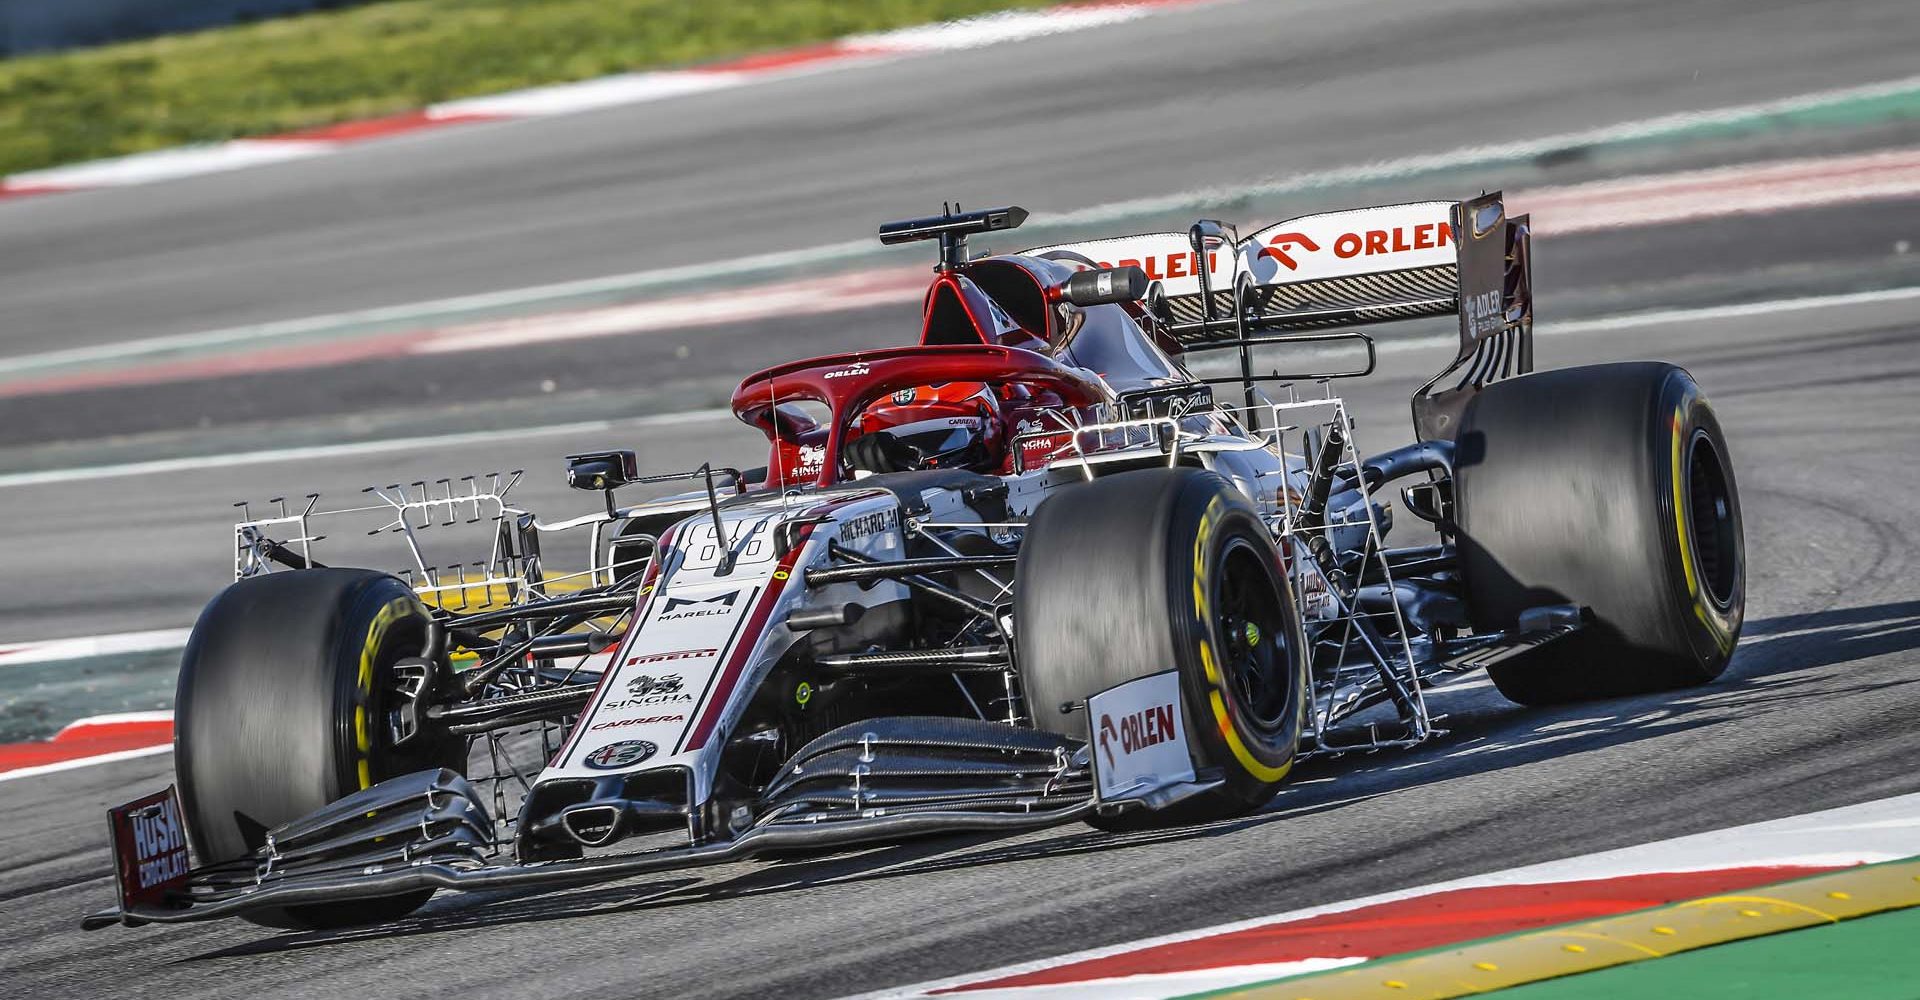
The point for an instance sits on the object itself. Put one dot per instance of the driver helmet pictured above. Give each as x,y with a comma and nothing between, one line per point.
949,425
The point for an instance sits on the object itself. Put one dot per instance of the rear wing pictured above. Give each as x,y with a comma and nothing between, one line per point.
1313,278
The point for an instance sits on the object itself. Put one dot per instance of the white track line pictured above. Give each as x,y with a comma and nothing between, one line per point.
1466,156
1662,317
1112,212
1159,985
804,297
229,460
84,647
1613,204
1745,189
1000,28
1572,327
112,719
589,95
167,164
1629,321
950,36
634,281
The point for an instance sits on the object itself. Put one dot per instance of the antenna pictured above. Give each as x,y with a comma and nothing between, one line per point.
951,228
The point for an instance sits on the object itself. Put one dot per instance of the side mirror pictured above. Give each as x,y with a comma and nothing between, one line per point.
1105,285
602,471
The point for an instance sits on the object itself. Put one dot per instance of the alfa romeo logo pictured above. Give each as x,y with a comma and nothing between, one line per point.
625,753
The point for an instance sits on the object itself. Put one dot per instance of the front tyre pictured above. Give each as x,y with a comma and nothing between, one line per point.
1139,572
281,709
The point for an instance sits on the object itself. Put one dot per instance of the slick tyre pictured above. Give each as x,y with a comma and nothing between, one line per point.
1609,487
1140,572
281,709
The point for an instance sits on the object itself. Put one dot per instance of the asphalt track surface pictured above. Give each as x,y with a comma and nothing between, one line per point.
141,552
1217,95
1815,711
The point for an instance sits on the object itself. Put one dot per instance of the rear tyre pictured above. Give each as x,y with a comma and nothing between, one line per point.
281,709
1608,487
1143,571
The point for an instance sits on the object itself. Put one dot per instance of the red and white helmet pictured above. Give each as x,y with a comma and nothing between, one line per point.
952,425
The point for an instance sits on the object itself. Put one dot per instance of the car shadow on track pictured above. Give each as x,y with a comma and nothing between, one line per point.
1779,663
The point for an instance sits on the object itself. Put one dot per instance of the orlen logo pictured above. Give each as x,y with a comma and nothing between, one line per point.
1426,236
1275,248
1283,247
1168,266
859,368
1136,731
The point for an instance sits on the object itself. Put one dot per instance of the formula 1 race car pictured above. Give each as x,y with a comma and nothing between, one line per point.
1084,553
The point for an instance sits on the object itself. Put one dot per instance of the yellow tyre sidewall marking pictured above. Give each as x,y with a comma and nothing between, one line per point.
1684,539
1216,698
395,610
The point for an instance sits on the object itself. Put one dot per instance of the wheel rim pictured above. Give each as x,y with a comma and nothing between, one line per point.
1710,527
1253,640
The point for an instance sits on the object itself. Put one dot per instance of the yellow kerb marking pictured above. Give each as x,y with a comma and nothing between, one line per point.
1612,941
1749,902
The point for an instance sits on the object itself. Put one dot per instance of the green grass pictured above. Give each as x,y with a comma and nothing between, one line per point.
385,58
1868,958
